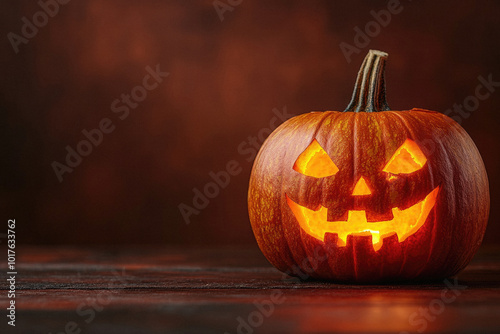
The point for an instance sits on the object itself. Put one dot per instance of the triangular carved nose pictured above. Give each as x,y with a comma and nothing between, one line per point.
361,188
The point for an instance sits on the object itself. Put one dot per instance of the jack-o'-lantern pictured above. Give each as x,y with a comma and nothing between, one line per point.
369,194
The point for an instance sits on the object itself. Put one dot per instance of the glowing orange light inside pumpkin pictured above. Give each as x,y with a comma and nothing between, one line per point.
315,162
361,188
407,159
404,223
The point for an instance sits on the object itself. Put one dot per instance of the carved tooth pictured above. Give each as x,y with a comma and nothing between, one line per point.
333,239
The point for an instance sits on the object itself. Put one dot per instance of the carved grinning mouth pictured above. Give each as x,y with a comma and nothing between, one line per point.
404,223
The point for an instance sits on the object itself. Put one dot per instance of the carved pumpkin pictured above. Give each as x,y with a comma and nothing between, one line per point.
369,194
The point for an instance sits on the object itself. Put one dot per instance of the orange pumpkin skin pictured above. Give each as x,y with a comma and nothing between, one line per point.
360,144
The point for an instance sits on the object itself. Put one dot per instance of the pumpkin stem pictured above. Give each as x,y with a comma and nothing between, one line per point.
369,91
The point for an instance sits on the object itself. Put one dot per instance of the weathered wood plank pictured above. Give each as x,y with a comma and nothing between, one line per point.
154,290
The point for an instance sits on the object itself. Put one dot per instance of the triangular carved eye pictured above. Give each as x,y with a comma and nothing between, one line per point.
407,159
315,162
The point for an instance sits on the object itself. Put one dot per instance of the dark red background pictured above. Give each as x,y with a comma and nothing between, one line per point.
225,79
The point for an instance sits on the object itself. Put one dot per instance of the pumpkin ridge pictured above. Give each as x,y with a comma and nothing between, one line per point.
434,225
316,131
282,202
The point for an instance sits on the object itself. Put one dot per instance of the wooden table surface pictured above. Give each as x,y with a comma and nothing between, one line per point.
181,290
